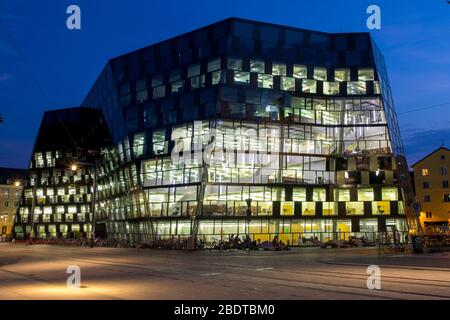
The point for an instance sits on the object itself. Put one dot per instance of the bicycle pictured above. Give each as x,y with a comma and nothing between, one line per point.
389,248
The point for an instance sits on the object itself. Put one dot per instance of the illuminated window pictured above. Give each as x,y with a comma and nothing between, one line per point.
241,77
287,208
309,86
39,160
341,194
288,84
308,208
329,208
177,86
354,208
319,194
300,72
425,172
365,194
138,144
401,207
356,87
257,66
381,207
390,194
365,74
159,143
299,194
279,69
265,81
344,227
331,88
368,225
342,75
320,74
216,76
376,87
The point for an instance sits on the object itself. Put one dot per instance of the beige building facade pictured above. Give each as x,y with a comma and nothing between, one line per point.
11,184
431,179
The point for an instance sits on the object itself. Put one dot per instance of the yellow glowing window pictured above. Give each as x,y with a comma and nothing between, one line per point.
287,209
308,208
329,208
342,75
381,207
425,172
353,208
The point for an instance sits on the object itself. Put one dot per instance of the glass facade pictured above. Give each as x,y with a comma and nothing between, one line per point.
57,194
243,127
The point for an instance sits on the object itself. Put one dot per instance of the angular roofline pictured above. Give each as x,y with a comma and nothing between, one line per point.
66,109
231,19
442,147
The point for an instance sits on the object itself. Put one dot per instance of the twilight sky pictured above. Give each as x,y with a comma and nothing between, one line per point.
43,65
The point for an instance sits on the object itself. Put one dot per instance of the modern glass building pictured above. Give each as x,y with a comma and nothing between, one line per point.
243,127
57,194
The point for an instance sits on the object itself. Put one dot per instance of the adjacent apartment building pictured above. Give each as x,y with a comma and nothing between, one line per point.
11,184
431,179
244,127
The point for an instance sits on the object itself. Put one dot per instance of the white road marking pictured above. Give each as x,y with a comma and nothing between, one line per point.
260,269
210,274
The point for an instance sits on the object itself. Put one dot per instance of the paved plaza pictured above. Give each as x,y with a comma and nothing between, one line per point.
39,272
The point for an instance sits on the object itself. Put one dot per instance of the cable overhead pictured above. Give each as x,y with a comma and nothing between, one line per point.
426,108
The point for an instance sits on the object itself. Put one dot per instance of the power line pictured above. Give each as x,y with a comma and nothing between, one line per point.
425,108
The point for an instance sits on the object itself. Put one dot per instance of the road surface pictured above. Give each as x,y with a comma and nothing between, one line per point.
39,272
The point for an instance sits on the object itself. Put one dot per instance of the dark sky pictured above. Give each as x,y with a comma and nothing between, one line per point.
45,66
